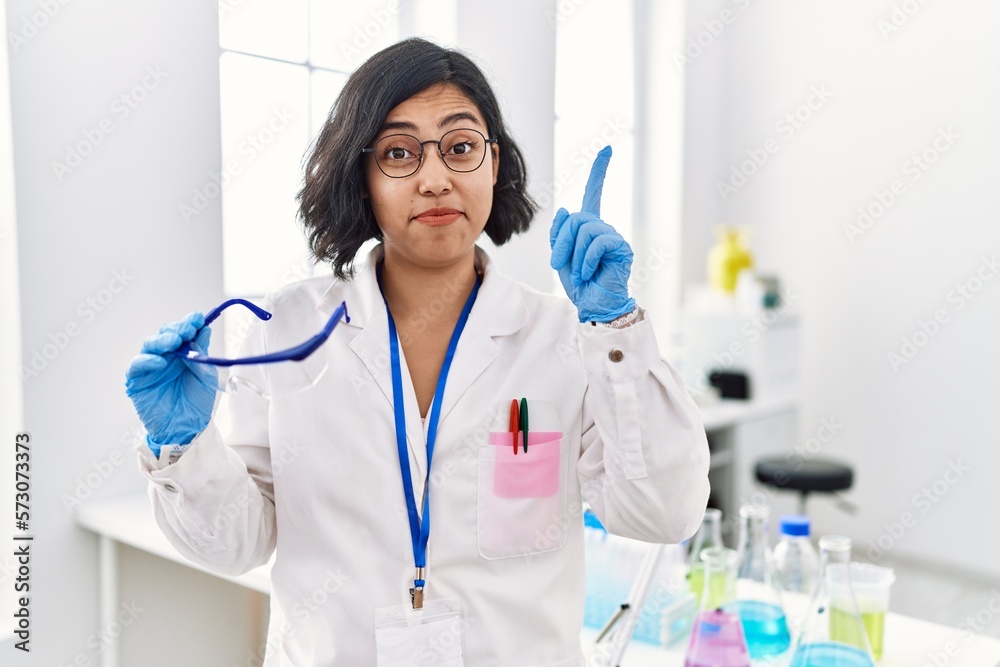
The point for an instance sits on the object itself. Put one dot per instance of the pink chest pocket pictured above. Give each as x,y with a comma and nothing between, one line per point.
531,474
522,498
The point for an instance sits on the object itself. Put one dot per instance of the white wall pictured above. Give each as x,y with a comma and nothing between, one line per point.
116,213
890,97
10,328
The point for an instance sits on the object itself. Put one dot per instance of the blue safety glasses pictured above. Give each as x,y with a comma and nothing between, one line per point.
246,372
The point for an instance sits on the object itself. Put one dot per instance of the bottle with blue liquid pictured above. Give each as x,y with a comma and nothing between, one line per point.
758,593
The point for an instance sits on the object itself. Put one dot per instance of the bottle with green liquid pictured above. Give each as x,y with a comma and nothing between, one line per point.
870,584
834,633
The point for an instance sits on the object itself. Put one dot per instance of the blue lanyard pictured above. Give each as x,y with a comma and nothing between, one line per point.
419,530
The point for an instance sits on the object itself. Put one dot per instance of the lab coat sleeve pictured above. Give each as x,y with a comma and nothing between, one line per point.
644,461
215,503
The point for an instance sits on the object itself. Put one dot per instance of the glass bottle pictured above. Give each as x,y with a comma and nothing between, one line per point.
833,634
709,535
795,560
717,639
758,595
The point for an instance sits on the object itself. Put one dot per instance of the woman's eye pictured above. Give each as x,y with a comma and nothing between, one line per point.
462,148
397,153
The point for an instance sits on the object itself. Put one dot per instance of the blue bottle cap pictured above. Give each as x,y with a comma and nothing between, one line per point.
796,525
590,520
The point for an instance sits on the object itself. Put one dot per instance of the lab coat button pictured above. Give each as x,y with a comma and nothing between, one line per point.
169,487
616,355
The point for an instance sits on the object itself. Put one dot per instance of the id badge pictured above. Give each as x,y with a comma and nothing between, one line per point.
427,637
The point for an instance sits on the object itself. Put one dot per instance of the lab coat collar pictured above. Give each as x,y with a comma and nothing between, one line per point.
499,310
507,312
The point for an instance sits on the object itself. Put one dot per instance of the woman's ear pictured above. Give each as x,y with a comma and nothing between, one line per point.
496,160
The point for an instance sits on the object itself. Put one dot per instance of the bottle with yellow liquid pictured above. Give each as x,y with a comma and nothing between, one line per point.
727,258
834,633
709,535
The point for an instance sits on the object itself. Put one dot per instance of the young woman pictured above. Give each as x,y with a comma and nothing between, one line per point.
409,525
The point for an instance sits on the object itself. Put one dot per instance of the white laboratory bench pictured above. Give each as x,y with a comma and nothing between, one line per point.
908,642
739,432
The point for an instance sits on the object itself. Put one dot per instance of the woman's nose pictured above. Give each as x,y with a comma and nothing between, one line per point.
434,175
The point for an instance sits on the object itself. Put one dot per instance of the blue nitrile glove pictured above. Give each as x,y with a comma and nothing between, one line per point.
593,260
173,397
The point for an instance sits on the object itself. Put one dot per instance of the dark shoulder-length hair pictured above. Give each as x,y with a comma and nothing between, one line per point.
337,218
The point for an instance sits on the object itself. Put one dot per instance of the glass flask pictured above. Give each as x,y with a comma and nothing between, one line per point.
717,638
833,634
758,597
709,535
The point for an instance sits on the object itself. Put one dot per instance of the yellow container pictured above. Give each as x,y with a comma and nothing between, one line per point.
727,258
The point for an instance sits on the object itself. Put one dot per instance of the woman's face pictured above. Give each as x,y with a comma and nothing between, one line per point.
427,240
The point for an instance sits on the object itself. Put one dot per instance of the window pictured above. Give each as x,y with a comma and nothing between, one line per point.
594,100
282,65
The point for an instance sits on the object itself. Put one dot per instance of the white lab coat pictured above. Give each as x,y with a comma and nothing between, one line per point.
315,478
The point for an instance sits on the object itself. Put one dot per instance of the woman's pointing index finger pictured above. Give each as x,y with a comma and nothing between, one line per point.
595,184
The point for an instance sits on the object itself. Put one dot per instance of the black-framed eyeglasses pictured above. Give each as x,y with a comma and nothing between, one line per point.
400,155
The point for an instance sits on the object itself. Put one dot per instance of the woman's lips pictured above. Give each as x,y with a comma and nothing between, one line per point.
438,217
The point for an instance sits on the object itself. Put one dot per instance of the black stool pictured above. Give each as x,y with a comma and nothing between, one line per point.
806,476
